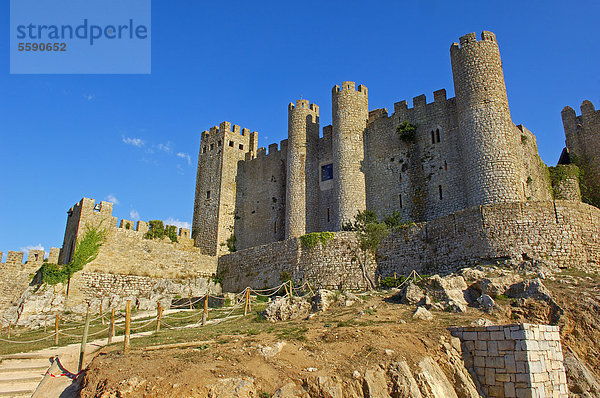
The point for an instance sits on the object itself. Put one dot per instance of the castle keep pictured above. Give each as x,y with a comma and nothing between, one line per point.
466,152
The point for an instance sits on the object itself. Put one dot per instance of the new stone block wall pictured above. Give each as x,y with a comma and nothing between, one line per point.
521,360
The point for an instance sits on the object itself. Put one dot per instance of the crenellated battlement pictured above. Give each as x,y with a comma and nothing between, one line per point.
305,106
225,128
470,39
349,86
420,101
35,258
571,120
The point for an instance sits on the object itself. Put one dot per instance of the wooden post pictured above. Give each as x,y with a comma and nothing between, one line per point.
158,316
84,339
56,329
379,280
205,313
291,289
45,324
127,326
111,328
190,299
9,325
285,286
101,314
310,288
395,276
247,301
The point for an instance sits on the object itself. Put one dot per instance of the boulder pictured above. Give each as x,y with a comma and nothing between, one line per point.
271,351
422,314
486,303
534,289
410,294
448,288
286,308
324,299
456,306
581,380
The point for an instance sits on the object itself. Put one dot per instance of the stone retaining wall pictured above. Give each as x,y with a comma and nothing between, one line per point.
521,360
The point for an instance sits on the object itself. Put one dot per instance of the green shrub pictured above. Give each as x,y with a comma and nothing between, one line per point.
157,230
407,131
53,274
309,241
231,243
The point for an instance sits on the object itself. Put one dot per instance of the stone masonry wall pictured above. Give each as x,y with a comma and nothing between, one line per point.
562,232
333,266
520,360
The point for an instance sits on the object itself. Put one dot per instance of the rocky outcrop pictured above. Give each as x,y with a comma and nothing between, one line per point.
325,299
582,381
286,308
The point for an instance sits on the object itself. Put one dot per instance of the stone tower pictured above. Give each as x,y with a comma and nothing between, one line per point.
486,132
221,149
583,140
85,213
350,114
302,174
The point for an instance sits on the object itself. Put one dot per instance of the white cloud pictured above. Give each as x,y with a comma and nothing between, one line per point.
134,215
177,223
31,247
88,97
185,156
168,147
133,141
112,198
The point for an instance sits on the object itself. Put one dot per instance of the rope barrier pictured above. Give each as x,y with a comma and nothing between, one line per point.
28,342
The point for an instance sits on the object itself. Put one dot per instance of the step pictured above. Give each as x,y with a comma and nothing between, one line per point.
18,389
21,377
32,368
17,394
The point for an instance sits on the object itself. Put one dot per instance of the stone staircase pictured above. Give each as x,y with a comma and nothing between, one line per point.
20,375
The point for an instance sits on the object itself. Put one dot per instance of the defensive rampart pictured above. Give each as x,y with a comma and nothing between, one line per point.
564,233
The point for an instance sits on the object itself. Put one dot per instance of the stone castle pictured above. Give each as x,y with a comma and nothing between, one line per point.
470,179
466,152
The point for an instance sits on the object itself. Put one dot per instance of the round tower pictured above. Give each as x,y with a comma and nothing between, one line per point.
488,136
302,177
350,114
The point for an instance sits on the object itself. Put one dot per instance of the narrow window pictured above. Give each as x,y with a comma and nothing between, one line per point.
432,137
212,146
400,200
204,150
400,177
207,194
219,143
440,189
327,172
241,146
231,144
275,226
328,214
445,166
437,135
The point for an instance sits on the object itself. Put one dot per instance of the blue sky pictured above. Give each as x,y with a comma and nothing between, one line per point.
135,137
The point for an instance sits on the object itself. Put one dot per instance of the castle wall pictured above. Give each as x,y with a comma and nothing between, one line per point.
535,180
127,252
327,211
407,176
260,200
562,232
332,267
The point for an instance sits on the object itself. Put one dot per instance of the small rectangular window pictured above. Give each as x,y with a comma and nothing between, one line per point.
328,219
432,137
241,146
440,189
231,144
212,146
219,143
437,135
204,150
207,194
400,200
327,172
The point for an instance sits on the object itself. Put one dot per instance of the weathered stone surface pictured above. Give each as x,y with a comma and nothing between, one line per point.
324,299
285,308
582,381
375,383
291,390
486,303
233,387
404,384
410,294
324,386
432,380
